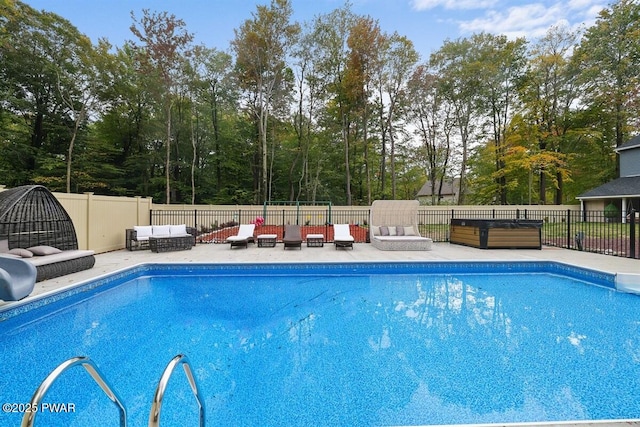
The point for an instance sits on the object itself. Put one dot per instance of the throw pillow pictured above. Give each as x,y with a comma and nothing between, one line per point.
376,230
408,231
43,250
384,230
142,230
21,253
161,230
4,245
400,230
178,230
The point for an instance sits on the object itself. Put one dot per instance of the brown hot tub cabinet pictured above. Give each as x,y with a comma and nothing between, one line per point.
497,233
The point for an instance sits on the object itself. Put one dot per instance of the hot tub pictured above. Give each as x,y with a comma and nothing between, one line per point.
497,233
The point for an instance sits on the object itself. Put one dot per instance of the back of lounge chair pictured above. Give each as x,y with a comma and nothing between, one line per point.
244,236
292,237
342,237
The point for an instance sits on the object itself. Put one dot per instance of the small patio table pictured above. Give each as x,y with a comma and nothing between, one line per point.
315,240
267,240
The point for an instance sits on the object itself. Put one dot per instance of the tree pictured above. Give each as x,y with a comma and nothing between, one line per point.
609,59
331,33
500,69
221,95
456,66
79,78
164,44
398,61
262,45
432,117
366,44
549,93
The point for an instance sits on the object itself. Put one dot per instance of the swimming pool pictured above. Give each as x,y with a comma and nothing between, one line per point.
335,344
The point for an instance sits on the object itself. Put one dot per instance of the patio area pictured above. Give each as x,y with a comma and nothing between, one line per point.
221,253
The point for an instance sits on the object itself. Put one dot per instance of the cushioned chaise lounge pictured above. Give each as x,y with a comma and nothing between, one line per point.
292,237
244,236
342,237
394,226
34,226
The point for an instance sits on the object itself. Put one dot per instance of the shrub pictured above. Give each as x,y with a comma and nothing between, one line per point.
611,212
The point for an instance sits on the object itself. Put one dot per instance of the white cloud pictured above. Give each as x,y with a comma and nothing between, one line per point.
452,4
533,20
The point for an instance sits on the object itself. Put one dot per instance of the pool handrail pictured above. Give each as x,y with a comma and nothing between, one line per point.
154,416
29,417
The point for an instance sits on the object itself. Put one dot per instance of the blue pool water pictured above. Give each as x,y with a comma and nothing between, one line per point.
334,344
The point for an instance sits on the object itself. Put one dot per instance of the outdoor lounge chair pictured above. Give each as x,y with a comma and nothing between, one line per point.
244,236
292,237
342,237
393,226
17,278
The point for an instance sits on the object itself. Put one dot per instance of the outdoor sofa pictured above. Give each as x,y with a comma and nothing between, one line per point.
393,226
160,238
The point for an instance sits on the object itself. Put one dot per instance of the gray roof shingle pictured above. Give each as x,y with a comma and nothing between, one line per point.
622,187
632,143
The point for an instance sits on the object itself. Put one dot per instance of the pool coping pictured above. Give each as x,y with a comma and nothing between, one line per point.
628,283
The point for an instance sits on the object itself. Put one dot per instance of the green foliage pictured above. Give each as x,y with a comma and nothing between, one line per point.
611,212
341,111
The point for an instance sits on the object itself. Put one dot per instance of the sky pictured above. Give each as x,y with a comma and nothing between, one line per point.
427,23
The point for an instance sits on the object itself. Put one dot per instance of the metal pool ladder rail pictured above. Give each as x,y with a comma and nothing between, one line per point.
29,417
181,359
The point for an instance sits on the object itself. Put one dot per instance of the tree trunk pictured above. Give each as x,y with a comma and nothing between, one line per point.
345,137
167,172
71,145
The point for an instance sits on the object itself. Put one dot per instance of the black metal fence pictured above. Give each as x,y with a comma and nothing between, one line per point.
590,231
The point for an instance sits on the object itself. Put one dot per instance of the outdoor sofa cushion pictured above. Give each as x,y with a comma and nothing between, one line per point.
43,250
23,253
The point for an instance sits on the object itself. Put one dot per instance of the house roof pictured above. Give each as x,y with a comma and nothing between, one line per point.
632,143
622,187
449,188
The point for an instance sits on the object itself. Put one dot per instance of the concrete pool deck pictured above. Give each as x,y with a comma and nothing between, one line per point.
221,253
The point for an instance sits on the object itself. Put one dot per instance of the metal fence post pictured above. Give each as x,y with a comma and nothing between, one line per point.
568,229
632,234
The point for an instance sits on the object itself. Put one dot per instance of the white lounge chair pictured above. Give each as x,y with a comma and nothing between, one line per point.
342,237
244,236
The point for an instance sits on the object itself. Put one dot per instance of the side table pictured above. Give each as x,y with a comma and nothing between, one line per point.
315,240
267,240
